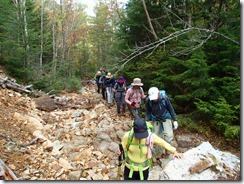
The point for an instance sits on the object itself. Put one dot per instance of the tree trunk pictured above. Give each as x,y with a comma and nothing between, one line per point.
149,21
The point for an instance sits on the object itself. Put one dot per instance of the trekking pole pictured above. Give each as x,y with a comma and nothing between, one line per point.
121,158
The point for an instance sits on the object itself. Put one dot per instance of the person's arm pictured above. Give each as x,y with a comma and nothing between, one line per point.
125,140
128,93
162,143
177,155
113,82
143,96
148,110
170,109
115,87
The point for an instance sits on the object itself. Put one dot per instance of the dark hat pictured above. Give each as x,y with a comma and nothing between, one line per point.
121,79
140,129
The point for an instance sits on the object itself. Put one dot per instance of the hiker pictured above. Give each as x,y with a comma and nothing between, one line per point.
102,81
137,145
160,112
105,71
109,84
119,94
97,76
133,98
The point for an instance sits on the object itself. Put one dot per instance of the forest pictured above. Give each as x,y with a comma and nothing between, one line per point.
190,48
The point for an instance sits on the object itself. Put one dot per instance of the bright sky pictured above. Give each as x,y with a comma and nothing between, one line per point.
91,3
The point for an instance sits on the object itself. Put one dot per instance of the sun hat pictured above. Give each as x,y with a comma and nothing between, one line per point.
137,82
140,129
109,75
153,93
121,79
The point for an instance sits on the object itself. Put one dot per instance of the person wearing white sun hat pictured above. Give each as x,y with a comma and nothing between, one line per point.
160,111
134,96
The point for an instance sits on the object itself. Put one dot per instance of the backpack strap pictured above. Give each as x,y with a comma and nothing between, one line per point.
140,90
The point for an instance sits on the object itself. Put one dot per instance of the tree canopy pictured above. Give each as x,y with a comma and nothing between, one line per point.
189,48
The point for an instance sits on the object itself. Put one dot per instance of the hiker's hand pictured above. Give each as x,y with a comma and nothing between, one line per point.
133,104
177,155
118,152
175,125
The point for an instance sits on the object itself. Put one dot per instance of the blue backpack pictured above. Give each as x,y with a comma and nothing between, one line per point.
163,96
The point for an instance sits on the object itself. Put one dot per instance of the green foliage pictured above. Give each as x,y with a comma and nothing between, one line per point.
42,83
200,70
73,84
186,122
58,84
220,115
232,132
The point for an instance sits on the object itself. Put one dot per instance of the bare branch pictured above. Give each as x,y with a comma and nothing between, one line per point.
153,46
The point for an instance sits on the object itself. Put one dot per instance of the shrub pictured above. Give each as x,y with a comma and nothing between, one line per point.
73,84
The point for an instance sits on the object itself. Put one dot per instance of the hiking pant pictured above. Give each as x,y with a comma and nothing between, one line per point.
136,112
120,101
99,87
136,175
164,131
104,92
109,92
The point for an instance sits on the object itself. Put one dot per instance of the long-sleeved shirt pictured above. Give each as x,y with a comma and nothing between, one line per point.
159,110
109,82
134,151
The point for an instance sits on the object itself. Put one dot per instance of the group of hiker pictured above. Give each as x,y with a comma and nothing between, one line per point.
148,136
111,89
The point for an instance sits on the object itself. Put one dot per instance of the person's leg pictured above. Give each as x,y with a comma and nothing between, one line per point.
118,103
98,88
136,174
109,95
168,131
126,174
157,130
104,92
123,103
139,113
123,107
135,113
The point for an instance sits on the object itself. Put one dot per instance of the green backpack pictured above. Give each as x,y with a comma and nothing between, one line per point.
149,161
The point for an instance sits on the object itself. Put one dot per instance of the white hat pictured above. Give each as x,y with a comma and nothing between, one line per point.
153,93
109,75
137,82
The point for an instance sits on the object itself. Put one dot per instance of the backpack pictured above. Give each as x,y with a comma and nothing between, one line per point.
131,87
149,161
117,85
163,96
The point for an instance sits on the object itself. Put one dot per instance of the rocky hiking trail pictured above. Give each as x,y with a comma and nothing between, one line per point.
75,136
